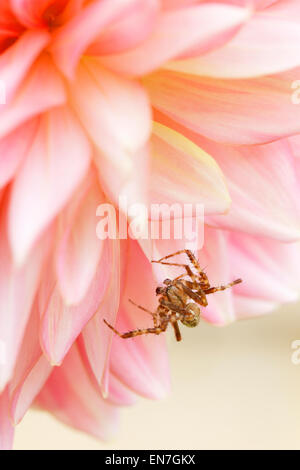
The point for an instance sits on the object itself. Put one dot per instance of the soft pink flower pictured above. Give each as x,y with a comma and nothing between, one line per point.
84,82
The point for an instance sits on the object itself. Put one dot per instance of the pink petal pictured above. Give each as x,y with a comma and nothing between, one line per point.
114,111
232,112
27,391
129,31
79,249
96,337
182,172
215,260
174,4
141,363
114,391
8,22
119,394
31,98
176,32
6,427
122,188
72,40
259,262
18,287
72,8
258,4
158,245
60,148
266,45
72,397
294,142
14,148
60,323
264,187
246,307
16,61
31,372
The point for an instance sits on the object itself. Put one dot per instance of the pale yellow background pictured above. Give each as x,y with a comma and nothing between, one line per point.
233,388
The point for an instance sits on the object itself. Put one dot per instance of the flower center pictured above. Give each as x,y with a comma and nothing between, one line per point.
52,15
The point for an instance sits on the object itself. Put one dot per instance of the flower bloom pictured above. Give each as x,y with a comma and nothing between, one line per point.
185,101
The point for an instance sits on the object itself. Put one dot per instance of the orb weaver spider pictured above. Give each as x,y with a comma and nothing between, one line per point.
180,299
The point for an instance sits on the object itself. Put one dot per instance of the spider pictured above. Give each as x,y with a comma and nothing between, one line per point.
179,299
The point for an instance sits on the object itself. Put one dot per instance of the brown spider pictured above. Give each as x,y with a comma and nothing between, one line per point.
180,299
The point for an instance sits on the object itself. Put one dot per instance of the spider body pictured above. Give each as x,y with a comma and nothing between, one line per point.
175,298
180,299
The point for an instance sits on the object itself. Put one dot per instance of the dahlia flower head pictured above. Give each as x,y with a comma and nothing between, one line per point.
152,101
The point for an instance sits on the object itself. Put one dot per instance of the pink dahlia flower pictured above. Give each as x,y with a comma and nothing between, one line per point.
187,101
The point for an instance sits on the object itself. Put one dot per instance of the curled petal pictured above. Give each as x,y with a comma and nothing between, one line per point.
61,324
141,363
267,44
174,4
247,307
119,394
79,249
227,110
60,148
31,372
183,172
75,36
176,32
31,98
18,287
26,391
114,391
6,427
257,4
264,186
16,61
263,182
129,31
73,398
269,269
215,261
114,111
295,145
125,189
96,337
14,148
9,26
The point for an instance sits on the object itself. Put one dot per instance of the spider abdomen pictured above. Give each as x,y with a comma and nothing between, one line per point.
192,316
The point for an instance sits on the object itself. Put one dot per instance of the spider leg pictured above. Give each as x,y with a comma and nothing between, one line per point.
204,279
130,334
176,329
154,315
175,254
194,262
199,297
190,256
195,285
179,277
186,266
211,290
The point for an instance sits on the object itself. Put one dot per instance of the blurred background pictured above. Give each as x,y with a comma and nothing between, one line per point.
233,388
